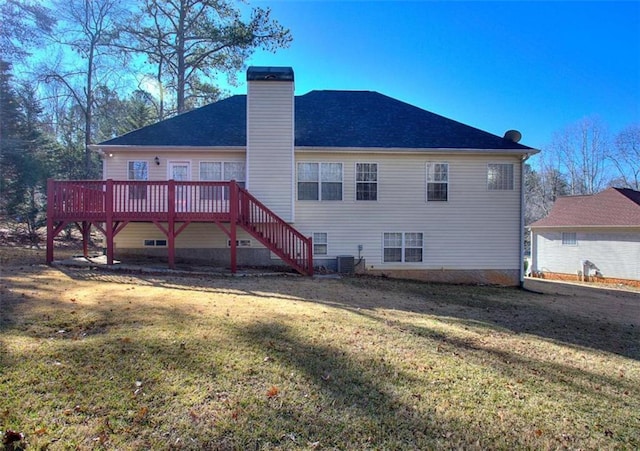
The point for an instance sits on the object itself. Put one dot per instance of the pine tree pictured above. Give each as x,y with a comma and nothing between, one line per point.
24,156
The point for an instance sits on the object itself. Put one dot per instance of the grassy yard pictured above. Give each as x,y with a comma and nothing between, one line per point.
108,360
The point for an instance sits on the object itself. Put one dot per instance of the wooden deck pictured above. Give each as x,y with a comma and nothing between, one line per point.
109,205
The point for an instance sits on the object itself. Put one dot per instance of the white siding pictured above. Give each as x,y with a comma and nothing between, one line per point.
475,229
615,253
115,166
195,236
270,145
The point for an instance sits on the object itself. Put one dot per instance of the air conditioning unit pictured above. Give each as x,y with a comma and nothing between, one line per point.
345,264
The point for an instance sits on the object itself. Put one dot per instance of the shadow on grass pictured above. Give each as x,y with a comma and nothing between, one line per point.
352,401
512,309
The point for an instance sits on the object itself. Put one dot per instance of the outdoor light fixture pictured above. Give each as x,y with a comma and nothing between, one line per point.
157,160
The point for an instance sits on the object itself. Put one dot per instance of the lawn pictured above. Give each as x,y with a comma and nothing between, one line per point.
91,359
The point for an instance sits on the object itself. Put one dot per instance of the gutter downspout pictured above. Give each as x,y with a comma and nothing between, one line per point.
524,159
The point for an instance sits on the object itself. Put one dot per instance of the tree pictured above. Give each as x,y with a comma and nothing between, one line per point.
86,32
581,151
22,24
189,42
139,112
542,188
625,156
24,152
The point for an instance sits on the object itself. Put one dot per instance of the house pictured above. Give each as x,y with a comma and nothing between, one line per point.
352,178
594,236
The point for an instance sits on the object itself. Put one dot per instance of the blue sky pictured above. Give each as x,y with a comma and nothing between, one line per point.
533,66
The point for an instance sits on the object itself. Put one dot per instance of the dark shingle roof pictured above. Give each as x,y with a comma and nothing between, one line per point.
612,207
323,119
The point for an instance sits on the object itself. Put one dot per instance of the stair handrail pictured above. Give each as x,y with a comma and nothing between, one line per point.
287,249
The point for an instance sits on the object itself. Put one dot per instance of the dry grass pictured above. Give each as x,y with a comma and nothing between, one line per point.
102,360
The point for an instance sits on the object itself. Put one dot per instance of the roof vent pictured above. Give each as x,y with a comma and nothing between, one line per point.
513,136
256,73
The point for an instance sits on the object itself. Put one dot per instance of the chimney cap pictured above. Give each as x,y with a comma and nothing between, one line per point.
259,73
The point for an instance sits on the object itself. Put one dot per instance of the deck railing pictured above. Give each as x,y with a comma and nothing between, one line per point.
283,240
171,201
138,200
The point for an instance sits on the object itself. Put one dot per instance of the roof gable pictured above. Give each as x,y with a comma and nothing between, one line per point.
613,207
337,119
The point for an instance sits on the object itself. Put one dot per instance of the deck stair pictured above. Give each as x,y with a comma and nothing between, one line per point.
278,236
109,205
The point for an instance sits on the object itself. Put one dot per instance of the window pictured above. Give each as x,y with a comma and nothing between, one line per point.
320,243
366,181
500,176
216,171
156,243
569,239
138,170
402,247
319,181
240,243
438,182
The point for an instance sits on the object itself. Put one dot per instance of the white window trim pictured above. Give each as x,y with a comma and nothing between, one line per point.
355,174
320,163
222,164
314,244
138,161
155,242
513,177
427,181
403,258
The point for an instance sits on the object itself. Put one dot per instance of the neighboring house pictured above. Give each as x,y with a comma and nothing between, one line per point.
375,182
589,236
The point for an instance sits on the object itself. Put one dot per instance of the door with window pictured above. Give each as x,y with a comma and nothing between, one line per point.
180,171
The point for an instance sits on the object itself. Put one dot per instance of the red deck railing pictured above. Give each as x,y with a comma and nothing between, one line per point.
139,200
116,203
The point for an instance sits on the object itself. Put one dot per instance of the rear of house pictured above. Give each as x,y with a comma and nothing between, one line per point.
378,184
595,237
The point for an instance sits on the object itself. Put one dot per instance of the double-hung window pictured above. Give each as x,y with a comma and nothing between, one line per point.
216,171
320,243
500,176
366,181
437,182
319,181
402,247
139,171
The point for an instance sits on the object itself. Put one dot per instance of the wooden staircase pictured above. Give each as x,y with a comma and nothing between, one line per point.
279,237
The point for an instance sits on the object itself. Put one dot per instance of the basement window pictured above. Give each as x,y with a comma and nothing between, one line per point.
240,243
402,247
155,243
320,243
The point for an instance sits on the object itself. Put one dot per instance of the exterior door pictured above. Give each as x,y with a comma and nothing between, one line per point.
180,171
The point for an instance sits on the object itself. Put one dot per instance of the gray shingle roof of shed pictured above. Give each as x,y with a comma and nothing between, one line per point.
339,119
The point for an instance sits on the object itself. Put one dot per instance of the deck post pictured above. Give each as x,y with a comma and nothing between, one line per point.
171,212
310,256
108,207
86,233
233,213
50,210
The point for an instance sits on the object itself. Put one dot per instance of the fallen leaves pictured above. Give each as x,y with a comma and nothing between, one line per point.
273,392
